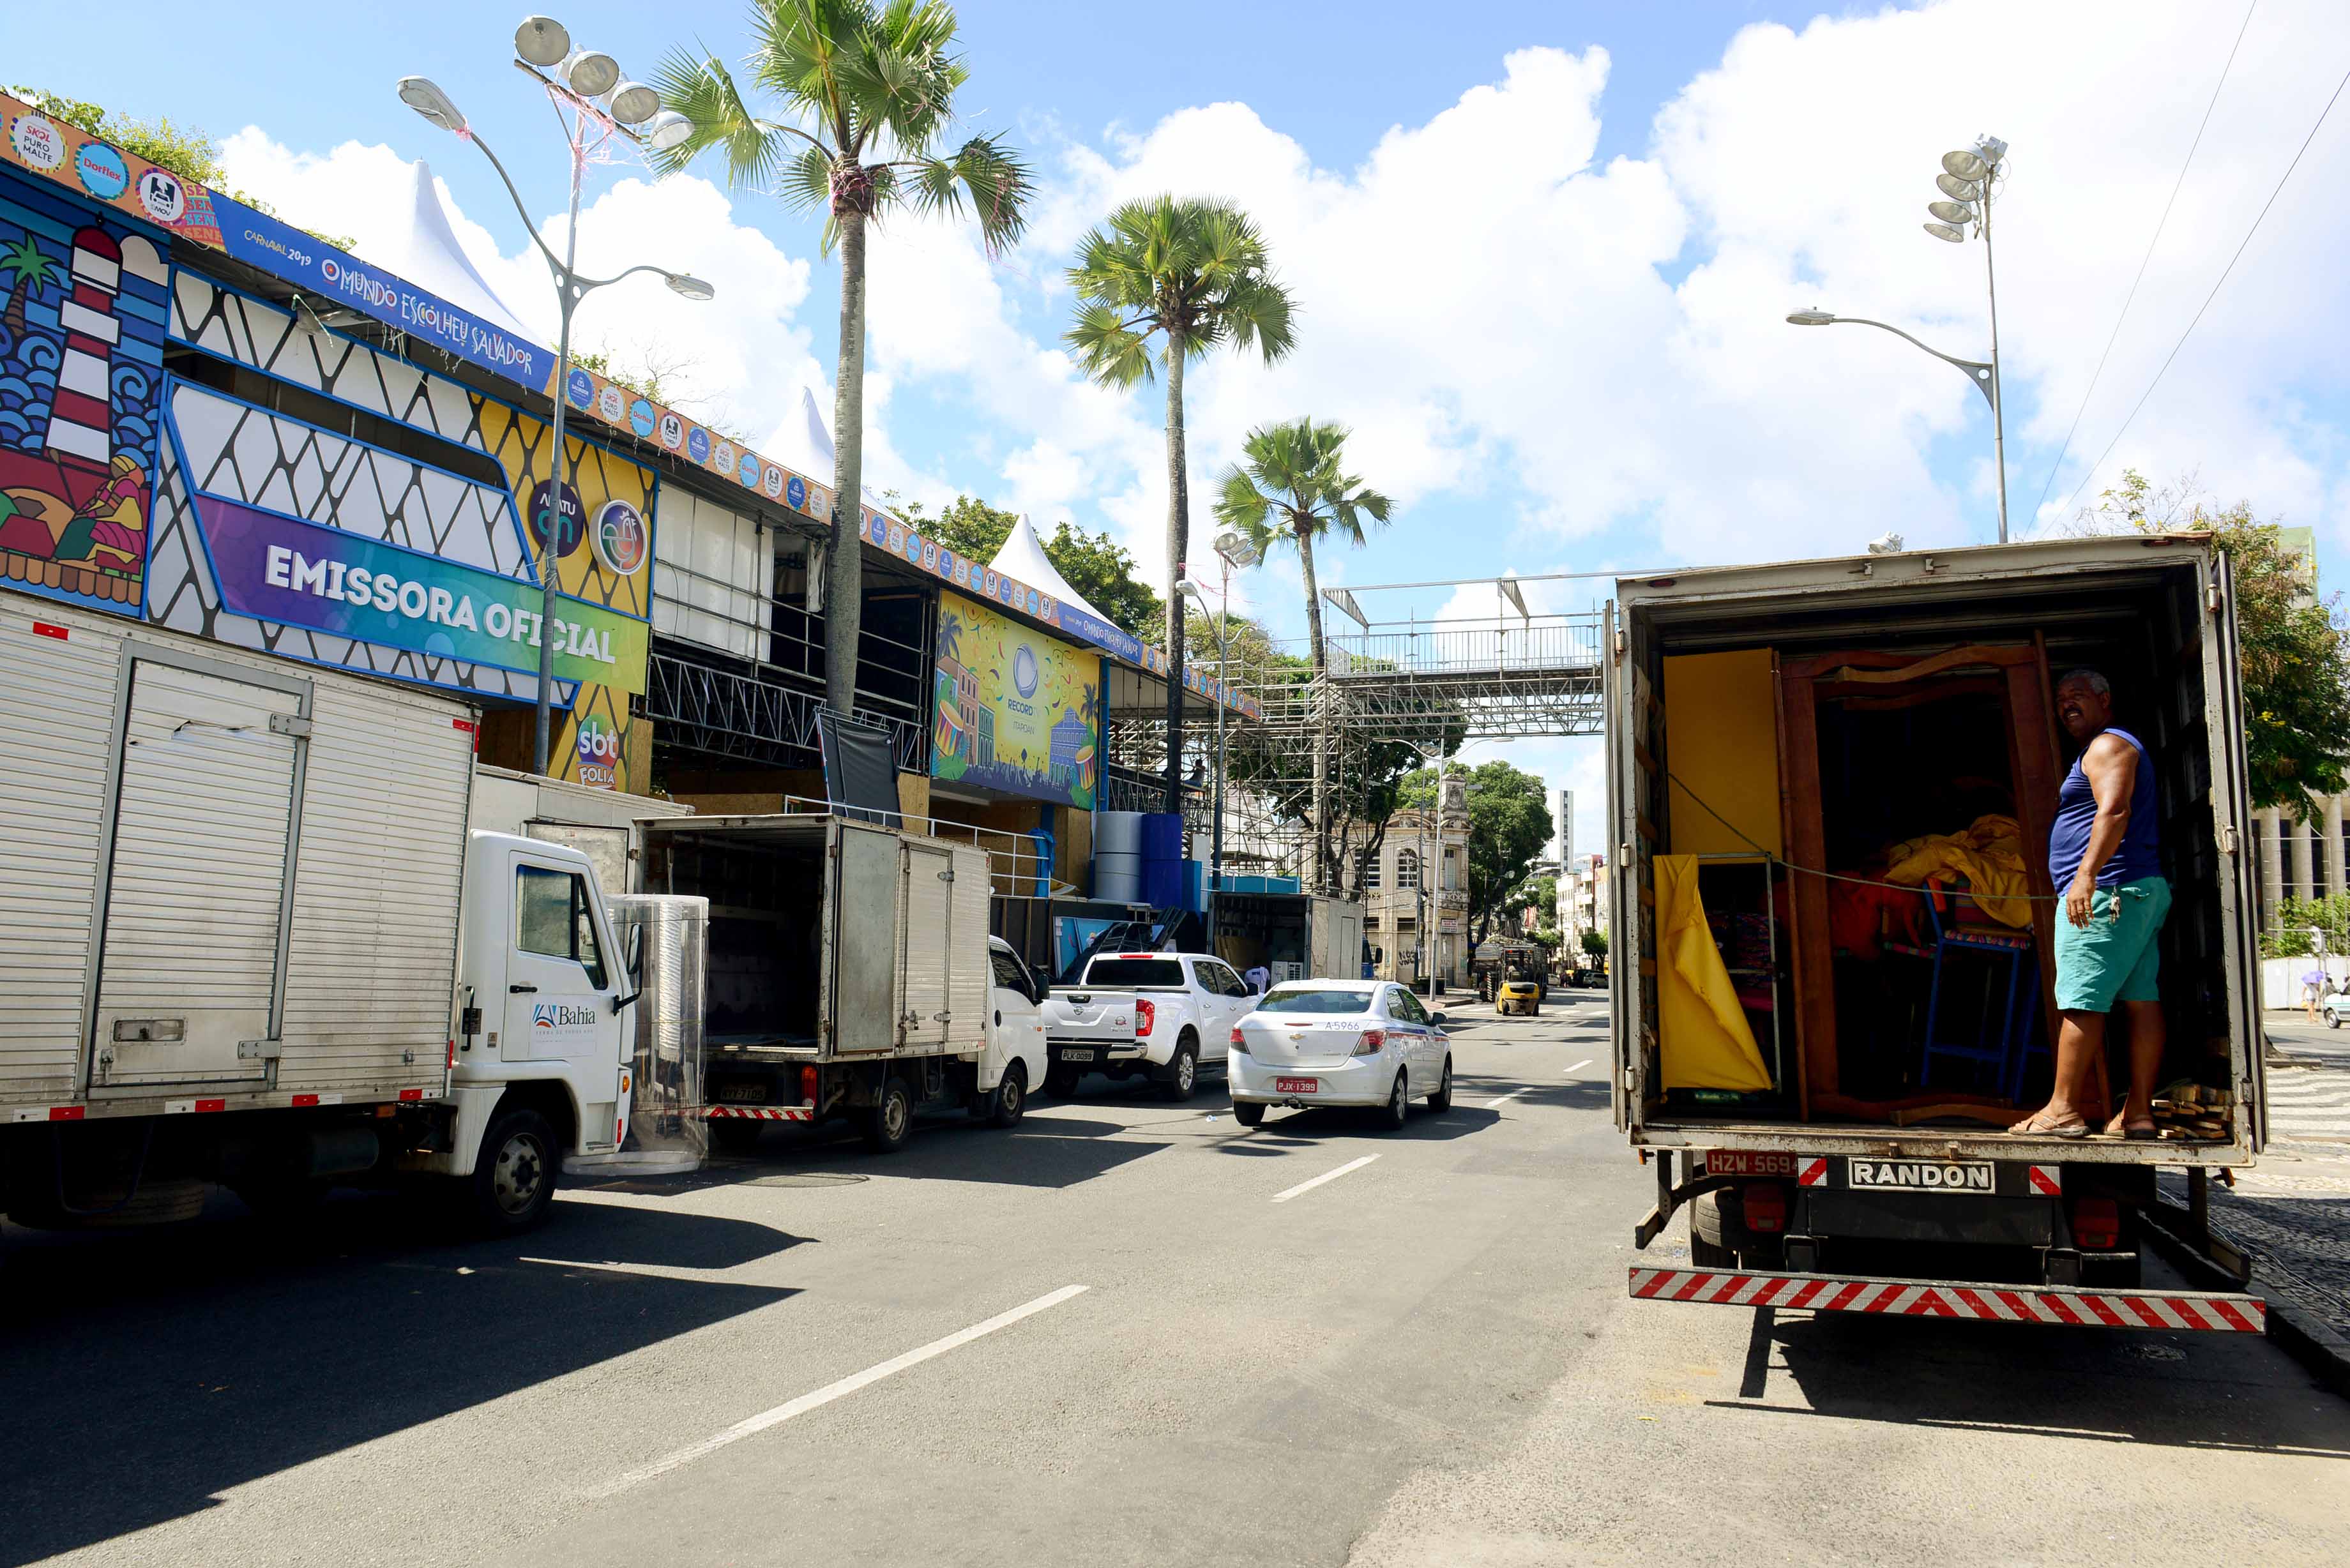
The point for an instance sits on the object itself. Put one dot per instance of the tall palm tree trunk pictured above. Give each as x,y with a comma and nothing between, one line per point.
1322,880
1179,543
843,568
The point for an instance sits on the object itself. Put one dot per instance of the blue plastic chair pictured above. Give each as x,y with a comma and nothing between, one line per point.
2017,1039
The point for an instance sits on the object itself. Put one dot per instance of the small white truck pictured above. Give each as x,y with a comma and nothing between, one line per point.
252,941
1162,1017
851,975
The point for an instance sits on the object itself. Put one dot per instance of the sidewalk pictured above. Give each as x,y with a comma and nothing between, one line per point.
2291,1211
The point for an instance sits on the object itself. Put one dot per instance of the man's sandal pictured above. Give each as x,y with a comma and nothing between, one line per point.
2039,1125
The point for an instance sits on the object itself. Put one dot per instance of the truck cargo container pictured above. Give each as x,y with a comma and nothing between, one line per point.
1771,731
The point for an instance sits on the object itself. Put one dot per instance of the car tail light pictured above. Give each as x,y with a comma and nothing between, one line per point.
1372,1043
1146,1013
808,1077
2096,1223
1765,1206
1239,1041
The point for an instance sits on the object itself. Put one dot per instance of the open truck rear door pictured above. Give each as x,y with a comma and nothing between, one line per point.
2231,805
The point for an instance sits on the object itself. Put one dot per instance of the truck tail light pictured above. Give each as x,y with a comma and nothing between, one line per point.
1372,1043
452,1053
1145,1015
2096,1223
1765,1207
809,1076
1239,1041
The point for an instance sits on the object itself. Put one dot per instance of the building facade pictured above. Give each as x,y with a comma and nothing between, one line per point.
1422,862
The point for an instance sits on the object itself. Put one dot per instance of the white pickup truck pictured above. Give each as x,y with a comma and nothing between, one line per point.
1156,1015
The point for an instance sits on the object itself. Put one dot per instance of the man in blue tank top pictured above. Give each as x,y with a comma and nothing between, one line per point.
2104,860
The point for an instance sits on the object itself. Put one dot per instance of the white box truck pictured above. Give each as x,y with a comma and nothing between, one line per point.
1885,696
851,975
251,941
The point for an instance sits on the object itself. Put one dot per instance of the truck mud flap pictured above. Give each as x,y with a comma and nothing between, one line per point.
2205,1311
760,1113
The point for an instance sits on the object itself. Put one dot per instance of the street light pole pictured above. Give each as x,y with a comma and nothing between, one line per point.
1998,423
585,76
1232,549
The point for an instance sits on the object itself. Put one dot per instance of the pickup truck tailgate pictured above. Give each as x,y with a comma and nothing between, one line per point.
1090,1015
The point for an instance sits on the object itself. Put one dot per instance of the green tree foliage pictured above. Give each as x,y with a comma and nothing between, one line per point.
1596,943
2296,917
863,97
2296,679
1095,565
185,151
1508,824
1195,274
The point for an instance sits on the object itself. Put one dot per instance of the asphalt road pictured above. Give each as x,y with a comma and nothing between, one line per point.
819,1356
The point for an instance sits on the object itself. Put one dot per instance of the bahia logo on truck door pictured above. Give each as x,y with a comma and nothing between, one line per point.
561,1022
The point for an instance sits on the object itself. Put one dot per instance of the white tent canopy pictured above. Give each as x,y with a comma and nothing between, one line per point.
806,445
1023,558
420,245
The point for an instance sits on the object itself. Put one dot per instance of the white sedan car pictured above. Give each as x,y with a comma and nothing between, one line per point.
1339,1042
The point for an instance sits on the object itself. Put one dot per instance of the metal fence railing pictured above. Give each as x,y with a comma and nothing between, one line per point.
1542,645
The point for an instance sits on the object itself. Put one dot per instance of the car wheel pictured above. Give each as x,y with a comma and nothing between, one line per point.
1248,1113
513,1183
735,1134
2333,1018
1399,1108
889,1125
1441,1100
1182,1079
1011,1096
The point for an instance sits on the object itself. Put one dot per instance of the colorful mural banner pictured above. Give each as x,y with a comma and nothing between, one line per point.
1017,711
259,240
977,577
82,322
274,568
123,180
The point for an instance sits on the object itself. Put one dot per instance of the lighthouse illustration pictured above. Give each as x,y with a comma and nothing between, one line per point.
81,357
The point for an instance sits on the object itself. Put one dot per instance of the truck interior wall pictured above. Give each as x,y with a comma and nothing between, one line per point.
767,906
1887,774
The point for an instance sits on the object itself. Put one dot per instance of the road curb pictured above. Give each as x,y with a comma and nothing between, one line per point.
2309,1340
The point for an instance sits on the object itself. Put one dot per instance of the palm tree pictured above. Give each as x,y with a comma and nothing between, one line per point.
28,268
865,94
1193,272
1293,489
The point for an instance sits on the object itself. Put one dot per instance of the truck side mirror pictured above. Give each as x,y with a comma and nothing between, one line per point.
636,955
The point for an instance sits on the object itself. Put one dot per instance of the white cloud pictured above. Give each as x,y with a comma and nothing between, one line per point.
741,359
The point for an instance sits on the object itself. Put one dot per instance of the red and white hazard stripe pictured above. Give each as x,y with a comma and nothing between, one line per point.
2195,1310
762,1113
1811,1172
2046,1178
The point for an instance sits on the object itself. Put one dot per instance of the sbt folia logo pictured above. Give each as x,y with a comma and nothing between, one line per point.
599,751
553,1015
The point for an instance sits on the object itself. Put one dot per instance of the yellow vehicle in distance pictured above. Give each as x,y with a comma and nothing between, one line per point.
1519,996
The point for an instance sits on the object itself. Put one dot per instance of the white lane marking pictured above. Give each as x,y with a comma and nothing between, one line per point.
1325,1176
1504,1099
1579,1067
759,1423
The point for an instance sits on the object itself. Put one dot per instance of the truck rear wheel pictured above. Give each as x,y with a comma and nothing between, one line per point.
1706,1248
1248,1113
890,1124
1061,1082
513,1183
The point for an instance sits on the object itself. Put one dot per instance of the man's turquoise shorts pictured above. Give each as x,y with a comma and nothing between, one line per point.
2114,957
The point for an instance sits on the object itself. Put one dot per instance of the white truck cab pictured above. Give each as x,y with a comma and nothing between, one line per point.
539,1068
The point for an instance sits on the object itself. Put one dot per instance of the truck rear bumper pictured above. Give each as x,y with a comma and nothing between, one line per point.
760,1113
2204,1311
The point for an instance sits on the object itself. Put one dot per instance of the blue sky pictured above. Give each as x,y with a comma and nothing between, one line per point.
1542,254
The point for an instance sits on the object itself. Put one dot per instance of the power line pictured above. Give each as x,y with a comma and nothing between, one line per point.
2207,298
2057,467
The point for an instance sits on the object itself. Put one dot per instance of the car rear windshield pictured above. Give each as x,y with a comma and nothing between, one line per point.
1322,1002
1137,974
